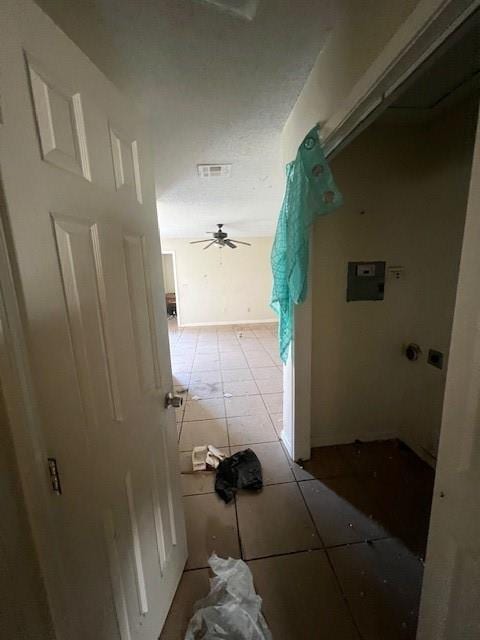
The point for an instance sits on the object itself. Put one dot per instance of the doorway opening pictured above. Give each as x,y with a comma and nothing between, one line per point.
376,413
384,283
170,290
223,342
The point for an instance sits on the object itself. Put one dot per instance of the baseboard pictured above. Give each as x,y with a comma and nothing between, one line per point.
287,443
420,451
328,439
226,322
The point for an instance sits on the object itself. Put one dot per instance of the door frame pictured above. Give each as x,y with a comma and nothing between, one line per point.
418,41
175,278
297,380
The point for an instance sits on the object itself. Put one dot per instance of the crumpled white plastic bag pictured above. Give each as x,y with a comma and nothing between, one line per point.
232,609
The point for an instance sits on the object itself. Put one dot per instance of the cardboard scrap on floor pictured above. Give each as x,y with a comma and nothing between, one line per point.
206,457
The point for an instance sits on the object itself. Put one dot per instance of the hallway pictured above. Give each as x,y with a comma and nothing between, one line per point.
335,547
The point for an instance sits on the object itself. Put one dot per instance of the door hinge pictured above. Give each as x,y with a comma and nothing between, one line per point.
54,476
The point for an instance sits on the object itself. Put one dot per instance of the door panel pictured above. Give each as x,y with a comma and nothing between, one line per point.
59,117
143,320
137,548
83,230
83,280
126,164
159,520
117,578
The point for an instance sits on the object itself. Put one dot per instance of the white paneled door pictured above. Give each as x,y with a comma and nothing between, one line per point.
82,228
450,608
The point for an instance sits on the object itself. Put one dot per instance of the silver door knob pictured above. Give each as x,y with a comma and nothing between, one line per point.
172,400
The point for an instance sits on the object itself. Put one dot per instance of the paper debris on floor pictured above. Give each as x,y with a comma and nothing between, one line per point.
206,456
195,397
227,395
232,609
199,458
214,456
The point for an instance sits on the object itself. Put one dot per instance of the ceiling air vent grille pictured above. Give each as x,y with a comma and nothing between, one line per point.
214,170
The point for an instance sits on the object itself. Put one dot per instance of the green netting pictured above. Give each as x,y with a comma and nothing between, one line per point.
310,192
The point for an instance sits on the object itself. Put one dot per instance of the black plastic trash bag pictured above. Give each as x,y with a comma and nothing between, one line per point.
240,471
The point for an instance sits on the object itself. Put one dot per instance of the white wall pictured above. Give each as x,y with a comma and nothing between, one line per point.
168,274
361,31
222,285
412,183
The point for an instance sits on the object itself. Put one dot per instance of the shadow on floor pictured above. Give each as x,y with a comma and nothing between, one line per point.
382,482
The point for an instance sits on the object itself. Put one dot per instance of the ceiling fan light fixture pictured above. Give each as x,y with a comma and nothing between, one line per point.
221,239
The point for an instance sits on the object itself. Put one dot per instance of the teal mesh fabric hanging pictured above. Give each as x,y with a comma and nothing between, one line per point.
310,192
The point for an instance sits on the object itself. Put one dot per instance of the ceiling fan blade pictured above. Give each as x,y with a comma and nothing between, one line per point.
240,242
197,241
230,244
209,245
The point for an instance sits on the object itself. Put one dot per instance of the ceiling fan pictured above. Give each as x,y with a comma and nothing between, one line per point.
221,239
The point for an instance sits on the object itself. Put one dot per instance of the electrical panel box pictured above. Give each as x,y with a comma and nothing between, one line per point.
365,281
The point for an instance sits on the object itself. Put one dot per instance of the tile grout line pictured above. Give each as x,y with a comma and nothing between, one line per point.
266,408
329,550
300,551
249,368
337,580
344,596
240,548
187,386
239,537
271,484
326,550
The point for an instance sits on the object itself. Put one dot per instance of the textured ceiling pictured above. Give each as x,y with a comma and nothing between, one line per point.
243,8
218,88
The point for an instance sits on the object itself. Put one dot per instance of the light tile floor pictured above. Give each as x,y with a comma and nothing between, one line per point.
334,546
